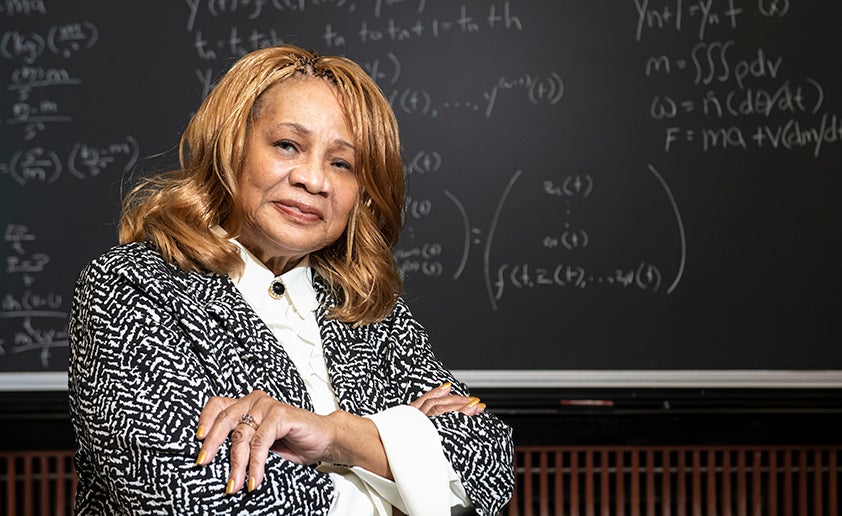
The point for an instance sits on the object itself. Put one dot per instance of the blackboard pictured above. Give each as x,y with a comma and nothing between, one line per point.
593,185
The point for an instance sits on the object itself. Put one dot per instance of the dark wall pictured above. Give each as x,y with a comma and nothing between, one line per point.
592,185
37,421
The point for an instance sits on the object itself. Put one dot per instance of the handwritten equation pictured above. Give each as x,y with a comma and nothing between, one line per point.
36,317
42,165
62,40
738,90
435,258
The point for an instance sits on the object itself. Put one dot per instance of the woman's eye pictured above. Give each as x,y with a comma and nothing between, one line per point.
285,145
343,165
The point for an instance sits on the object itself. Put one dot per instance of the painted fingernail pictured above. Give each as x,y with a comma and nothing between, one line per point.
201,458
445,385
200,432
473,401
481,406
230,487
251,484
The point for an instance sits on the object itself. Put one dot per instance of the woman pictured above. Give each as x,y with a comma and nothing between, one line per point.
245,350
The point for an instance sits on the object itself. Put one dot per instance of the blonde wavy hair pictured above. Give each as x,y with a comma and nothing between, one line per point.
178,210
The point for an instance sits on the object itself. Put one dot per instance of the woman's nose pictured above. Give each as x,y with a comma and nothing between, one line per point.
311,175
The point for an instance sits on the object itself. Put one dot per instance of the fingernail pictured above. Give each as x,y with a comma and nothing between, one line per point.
230,487
201,458
481,406
251,484
445,385
200,432
473,401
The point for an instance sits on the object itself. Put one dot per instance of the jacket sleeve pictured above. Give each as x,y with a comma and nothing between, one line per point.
479,448
136,387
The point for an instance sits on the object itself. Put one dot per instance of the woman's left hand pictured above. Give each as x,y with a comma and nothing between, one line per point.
440,401
258,423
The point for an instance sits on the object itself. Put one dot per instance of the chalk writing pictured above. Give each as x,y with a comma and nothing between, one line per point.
62,40
760,88
532,136
23,7
32,313
644,276
677,15
538,90
790,135
45,166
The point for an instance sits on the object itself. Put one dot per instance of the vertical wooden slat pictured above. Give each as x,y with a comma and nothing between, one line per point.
817,482
756,484
741,483
543,483
697,483
772,495
44,484
620,483
788,488
666,493
61,480
680,491
635,482
650,483
28,496
559,485
711,483
802,483
726,483
574,483
604,484
589,483
11,475
833,483
527,484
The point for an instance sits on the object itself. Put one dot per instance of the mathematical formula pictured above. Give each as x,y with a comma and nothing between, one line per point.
37,317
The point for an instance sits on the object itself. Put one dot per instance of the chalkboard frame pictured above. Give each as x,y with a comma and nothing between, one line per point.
556,379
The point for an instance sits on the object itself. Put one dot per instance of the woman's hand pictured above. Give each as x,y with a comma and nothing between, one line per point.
296,434
440,401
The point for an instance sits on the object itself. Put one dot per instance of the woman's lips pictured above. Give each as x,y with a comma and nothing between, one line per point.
298,210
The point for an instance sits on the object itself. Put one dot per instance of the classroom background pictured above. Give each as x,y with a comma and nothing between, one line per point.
622,227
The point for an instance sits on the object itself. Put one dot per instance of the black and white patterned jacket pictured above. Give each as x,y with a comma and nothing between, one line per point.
150,344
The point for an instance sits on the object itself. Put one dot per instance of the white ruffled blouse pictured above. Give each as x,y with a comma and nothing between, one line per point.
425,483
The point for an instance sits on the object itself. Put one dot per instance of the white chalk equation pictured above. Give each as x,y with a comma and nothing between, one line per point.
64,40
23,8
682,15
644,275
537,89
239,39
787,98
33,319
41,165
32,114
447,254
740,99
791,134
711,64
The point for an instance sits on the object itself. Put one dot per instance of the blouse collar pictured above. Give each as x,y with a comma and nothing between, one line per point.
255,281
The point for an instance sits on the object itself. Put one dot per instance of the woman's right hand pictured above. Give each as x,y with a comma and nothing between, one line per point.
440,401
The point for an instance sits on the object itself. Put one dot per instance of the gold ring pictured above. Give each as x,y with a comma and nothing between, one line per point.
248,420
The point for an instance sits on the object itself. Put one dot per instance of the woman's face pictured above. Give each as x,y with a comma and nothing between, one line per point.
298,183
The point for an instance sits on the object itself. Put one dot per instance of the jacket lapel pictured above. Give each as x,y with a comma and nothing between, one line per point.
230,333
355,366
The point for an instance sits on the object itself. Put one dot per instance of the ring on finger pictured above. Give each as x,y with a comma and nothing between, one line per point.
247,419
